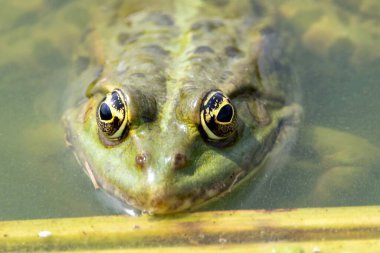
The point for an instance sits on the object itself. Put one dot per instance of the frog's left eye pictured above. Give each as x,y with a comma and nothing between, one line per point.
112,115
218,116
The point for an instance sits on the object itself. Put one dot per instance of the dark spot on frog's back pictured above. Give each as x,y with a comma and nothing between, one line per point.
206,25
233,52
267,30
203,49
155,49
160,19
258,8
226,75
216,2
125,38
137,75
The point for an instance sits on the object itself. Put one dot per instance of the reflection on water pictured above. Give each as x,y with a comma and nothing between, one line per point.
40,177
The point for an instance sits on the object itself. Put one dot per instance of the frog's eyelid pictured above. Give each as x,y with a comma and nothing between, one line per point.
101,86
142,106
252,93
242,91
94,88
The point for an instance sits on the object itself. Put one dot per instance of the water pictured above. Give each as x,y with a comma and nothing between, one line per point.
40,175
41,179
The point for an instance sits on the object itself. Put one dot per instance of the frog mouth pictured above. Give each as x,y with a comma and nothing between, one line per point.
162,201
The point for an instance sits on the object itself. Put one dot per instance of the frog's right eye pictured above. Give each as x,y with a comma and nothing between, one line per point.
112,115
218,116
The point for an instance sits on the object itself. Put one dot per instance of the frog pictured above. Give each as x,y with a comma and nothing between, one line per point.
184,102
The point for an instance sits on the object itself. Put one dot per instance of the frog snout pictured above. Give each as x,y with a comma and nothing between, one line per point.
177,160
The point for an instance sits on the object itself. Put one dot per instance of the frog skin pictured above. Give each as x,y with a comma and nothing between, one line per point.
184,101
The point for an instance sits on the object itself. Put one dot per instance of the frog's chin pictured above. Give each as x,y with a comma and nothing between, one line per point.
162,200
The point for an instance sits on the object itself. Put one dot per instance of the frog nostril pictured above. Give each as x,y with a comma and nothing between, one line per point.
140,160
180,161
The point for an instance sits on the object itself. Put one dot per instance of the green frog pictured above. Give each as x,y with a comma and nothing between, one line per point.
186,100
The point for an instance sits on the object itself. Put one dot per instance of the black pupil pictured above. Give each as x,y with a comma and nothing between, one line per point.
105,112
225,114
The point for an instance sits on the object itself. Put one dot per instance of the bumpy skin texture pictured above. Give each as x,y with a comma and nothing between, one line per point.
166,59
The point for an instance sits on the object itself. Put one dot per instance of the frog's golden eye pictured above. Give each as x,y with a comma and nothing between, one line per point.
218,116
112,115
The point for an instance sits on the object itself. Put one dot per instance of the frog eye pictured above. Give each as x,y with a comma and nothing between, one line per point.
112,115
218,116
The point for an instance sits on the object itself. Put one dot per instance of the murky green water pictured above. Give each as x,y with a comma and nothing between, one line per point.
40,177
